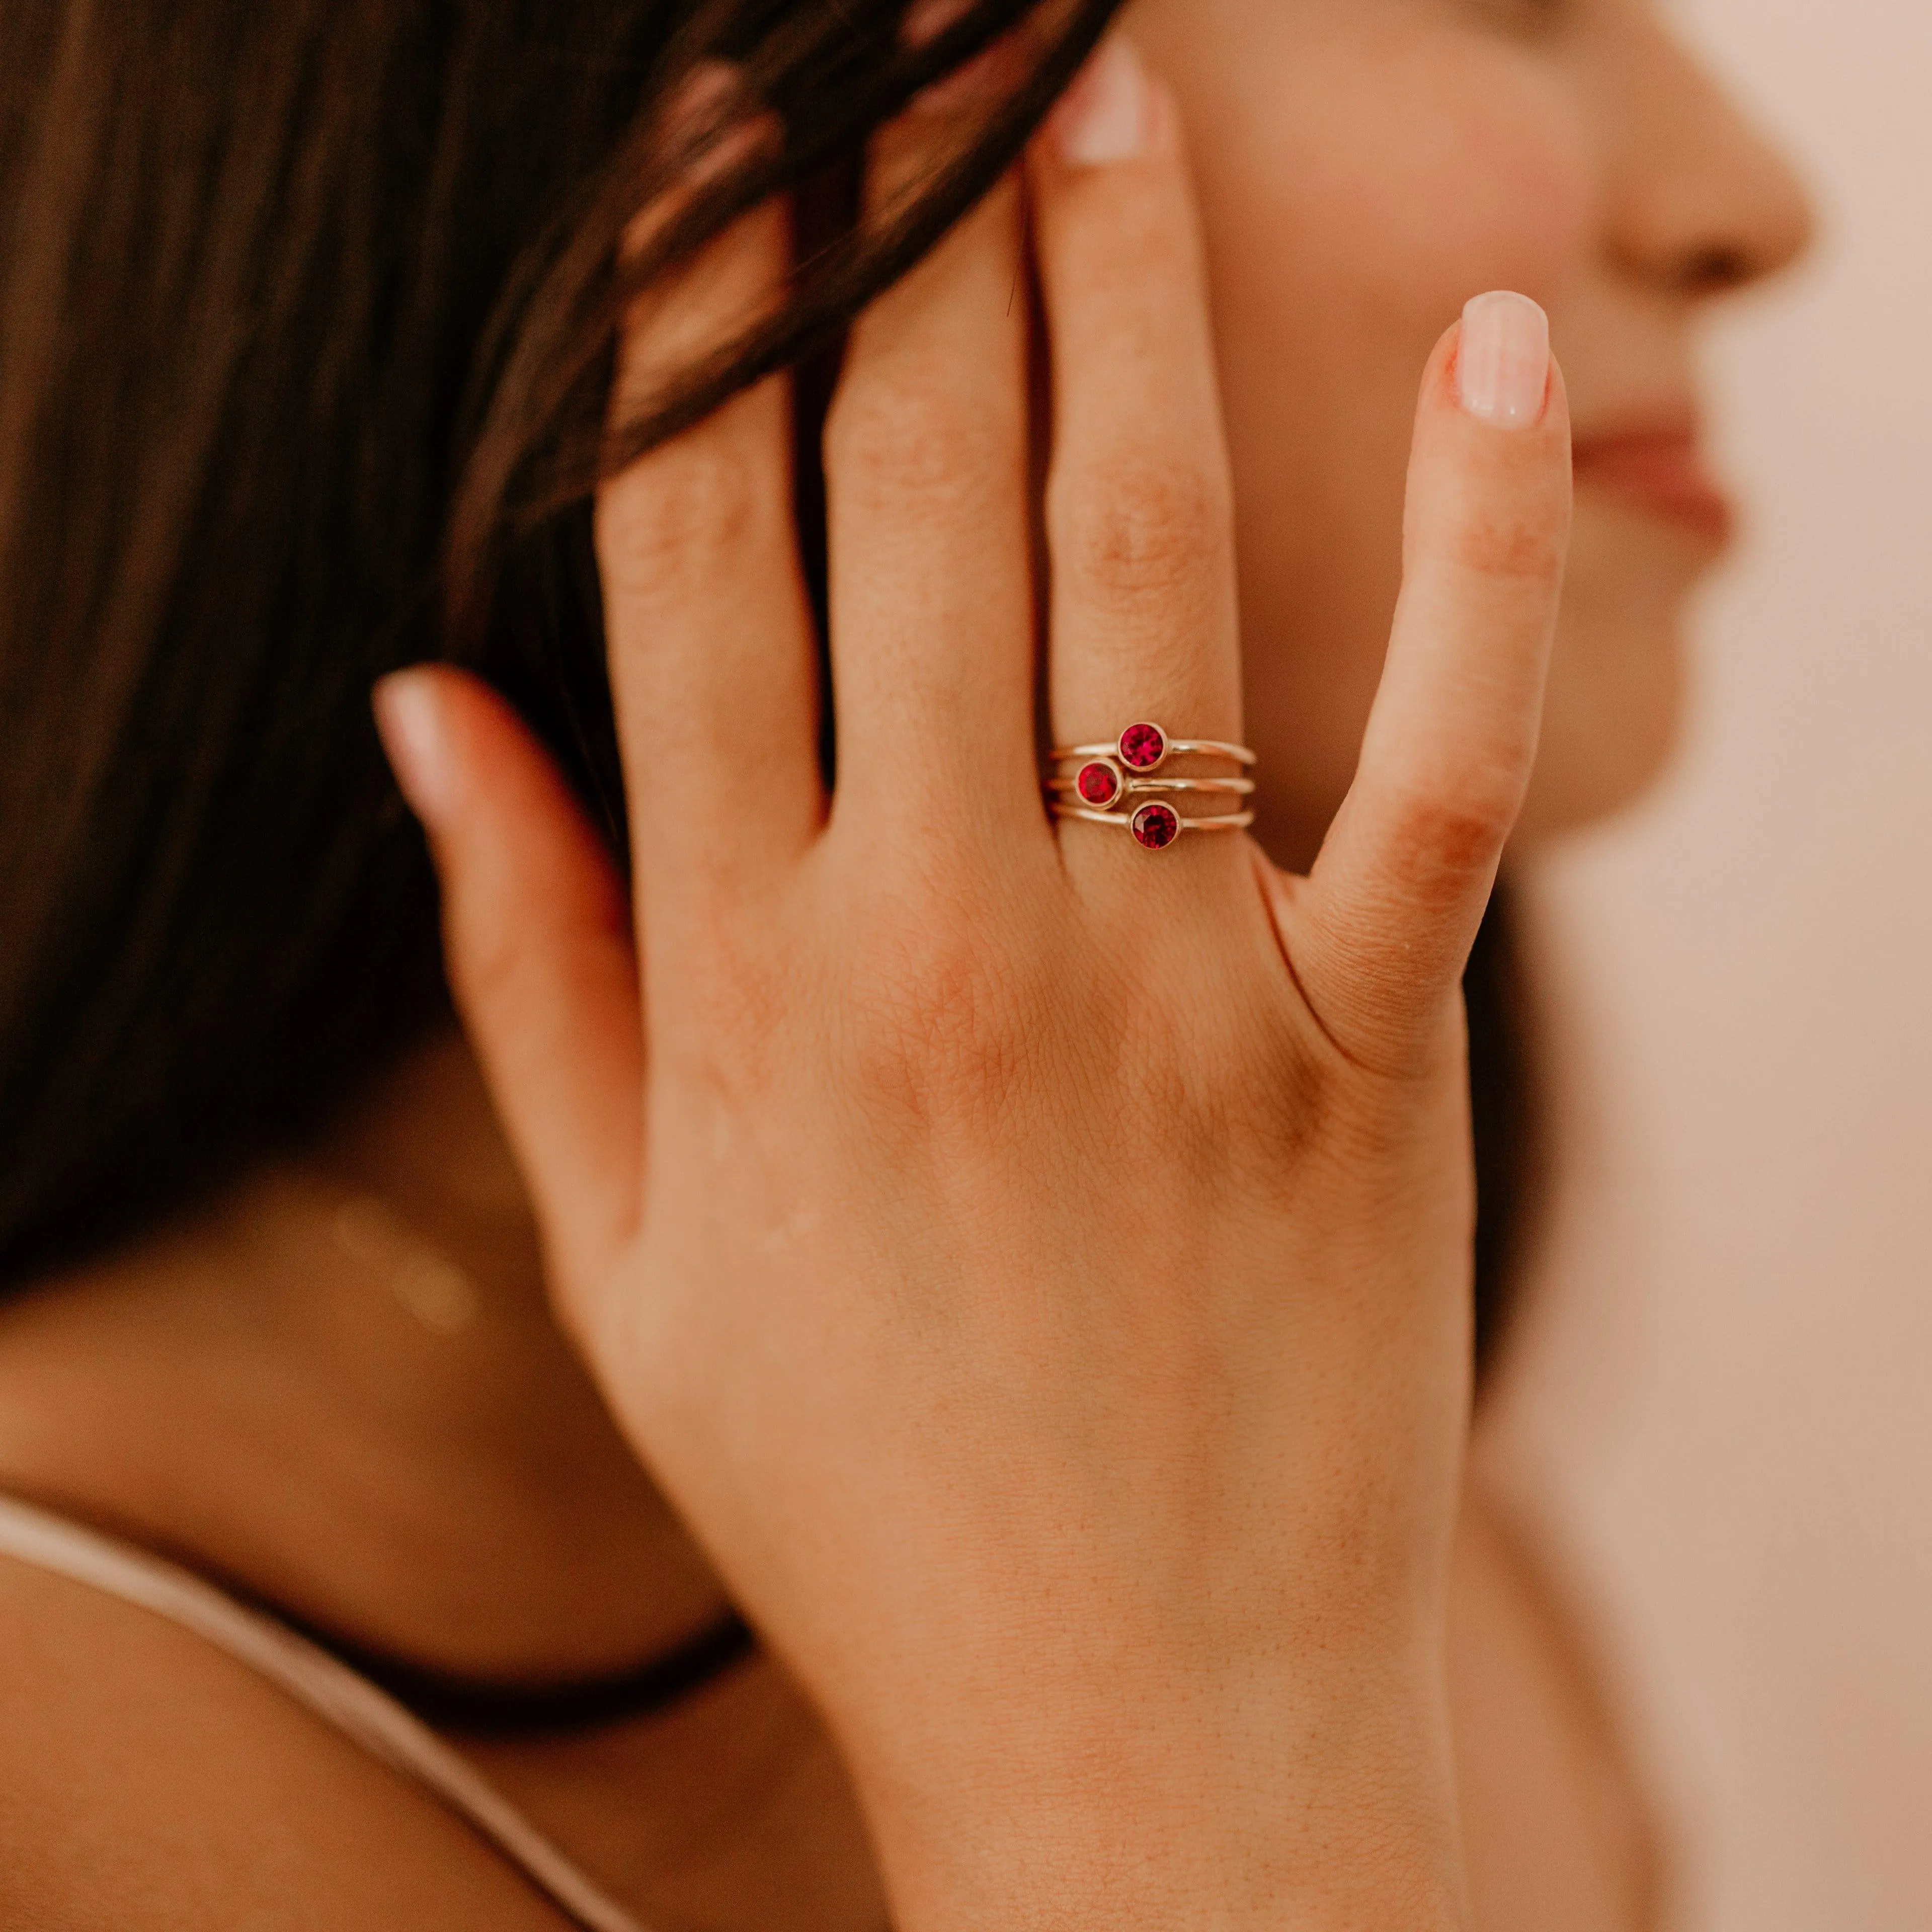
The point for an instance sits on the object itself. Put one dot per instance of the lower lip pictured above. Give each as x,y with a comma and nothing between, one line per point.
1663,475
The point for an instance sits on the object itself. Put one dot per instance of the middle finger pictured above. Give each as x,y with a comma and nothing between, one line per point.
925,455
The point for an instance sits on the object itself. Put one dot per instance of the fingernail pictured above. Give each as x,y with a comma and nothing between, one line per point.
409,721
1104,116
1502,362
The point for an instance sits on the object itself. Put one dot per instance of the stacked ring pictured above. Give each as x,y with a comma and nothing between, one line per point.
1107,778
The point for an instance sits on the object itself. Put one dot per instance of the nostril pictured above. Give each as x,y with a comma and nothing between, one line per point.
1717,269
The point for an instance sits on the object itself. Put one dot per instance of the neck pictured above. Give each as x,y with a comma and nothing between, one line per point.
341,1385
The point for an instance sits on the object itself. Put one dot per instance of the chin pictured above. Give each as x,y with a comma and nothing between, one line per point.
1618,678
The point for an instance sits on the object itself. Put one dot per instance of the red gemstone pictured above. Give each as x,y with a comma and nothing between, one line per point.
1098,784
1156,826
1143,746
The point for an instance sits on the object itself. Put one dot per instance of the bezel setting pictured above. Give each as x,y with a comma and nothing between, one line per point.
1143,748
1112,783
1155,825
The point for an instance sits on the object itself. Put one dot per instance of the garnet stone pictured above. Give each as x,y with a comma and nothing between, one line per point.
1156,826
1099,783
1142,747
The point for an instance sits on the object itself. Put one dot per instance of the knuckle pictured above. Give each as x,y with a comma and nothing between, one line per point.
1502,542
1451,838
1139,525
893,443
944,1024
665,524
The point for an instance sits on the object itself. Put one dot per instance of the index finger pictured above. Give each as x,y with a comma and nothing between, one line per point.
712,664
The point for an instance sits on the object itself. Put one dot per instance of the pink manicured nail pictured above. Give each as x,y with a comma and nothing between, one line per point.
410,722
1104,117
1502,363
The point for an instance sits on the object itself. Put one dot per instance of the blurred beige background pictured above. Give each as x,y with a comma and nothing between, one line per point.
1725,1398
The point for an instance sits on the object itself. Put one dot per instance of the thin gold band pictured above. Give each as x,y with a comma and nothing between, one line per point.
1240,787
1225,821
1200,747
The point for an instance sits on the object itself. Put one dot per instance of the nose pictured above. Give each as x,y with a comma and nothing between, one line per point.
1702,204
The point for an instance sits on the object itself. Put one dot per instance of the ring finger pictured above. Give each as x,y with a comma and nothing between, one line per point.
1139,522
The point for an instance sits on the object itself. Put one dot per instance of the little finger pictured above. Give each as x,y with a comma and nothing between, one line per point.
1383,930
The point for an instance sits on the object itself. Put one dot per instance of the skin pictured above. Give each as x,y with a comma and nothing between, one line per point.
184,1387
1568,149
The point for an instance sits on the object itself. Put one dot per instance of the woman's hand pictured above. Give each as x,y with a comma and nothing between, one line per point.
1039,1269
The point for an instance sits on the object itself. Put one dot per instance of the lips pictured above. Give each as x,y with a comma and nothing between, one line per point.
1660,468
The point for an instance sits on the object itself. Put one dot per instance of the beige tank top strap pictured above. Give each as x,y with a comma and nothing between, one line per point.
335,1693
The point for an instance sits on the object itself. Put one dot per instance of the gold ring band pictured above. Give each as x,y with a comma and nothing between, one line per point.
1157,825
1240,787
1109,778
1144,747
1200,747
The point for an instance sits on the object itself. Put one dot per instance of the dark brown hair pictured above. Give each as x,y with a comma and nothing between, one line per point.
305,331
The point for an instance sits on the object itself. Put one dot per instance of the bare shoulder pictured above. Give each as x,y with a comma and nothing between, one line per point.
1555,1824
149,1783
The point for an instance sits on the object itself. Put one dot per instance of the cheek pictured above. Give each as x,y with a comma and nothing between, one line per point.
1352,212
1365,186
1474,177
